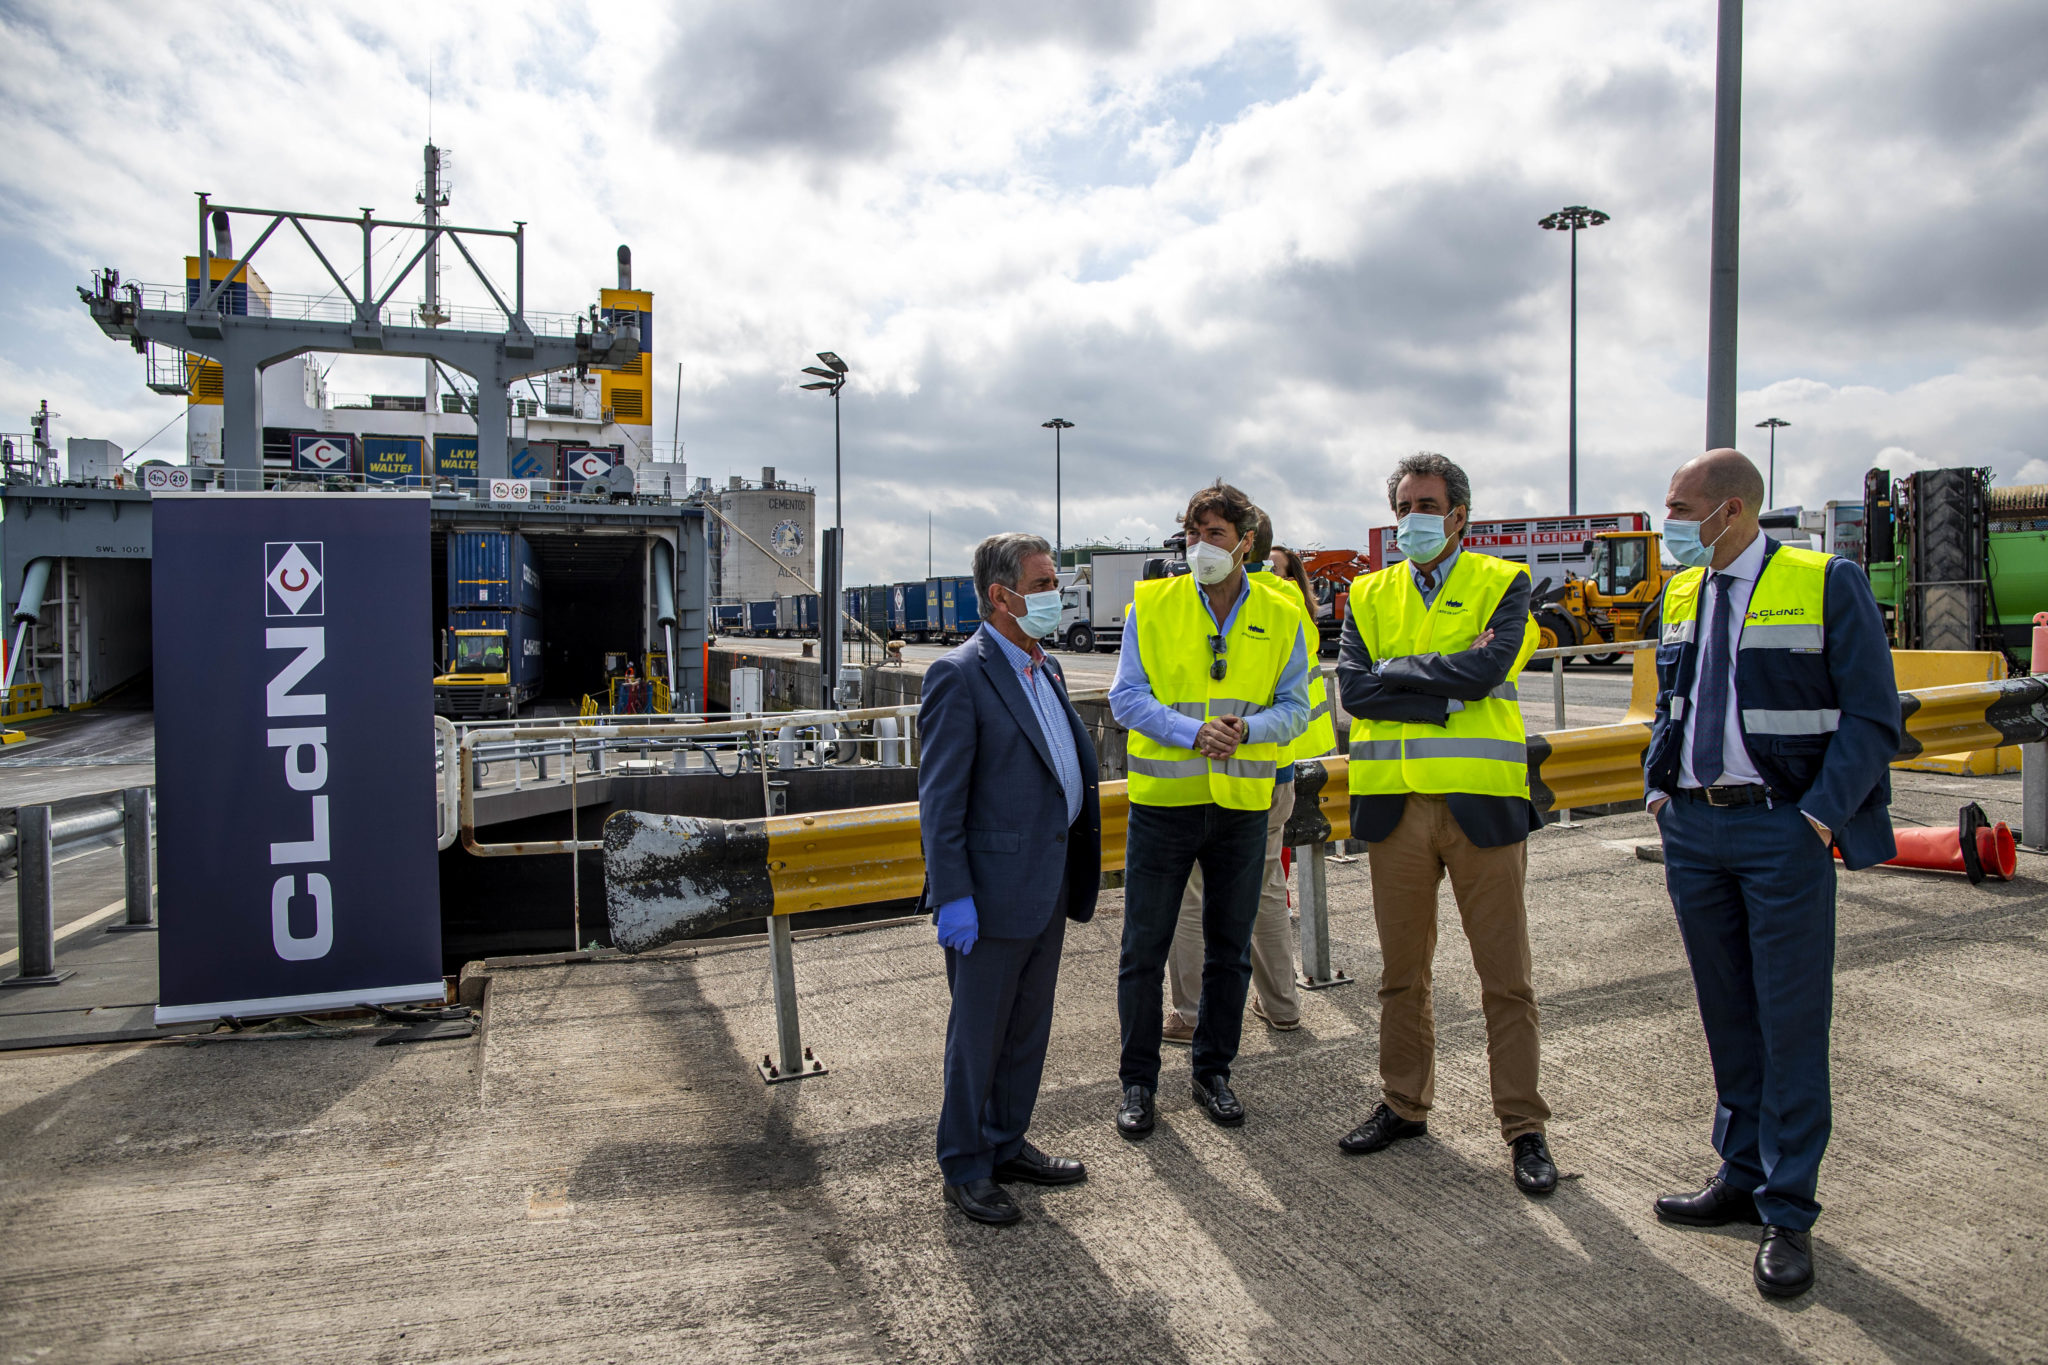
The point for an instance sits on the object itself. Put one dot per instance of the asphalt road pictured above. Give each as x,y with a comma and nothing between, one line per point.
601,1176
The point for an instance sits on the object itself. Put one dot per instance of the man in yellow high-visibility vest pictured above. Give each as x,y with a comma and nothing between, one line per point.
1274,996
1212,687
1427,670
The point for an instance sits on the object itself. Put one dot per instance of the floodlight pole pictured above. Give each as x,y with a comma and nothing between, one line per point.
1571,219
1772,424
1058,425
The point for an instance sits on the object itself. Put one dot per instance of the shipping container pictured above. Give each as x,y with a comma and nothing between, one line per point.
492,569
729,618
761,617
807,614
910,610
959,612
874,610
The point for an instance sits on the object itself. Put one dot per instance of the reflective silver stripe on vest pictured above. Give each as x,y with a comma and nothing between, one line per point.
1507,691
1375,750
1677,632
1320,711
1791,722
1500,750
1260,771
1678,705
1166,767
1782,637
1193,709
1232,706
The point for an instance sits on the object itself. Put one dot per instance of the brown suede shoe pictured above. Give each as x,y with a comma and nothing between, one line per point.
1176,1032
1281,1025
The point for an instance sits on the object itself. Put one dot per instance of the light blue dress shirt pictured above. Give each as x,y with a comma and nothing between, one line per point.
1135,708
1431,583
1052,719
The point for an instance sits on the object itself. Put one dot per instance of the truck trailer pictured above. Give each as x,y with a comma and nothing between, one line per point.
494,664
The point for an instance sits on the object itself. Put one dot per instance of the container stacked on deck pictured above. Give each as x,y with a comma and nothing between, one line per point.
493,585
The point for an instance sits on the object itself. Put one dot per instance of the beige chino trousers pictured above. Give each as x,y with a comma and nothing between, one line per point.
1407,867
1272,943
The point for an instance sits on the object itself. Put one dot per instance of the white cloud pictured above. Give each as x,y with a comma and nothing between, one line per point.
1284,248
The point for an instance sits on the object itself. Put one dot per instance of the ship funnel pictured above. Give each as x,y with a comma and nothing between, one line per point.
625,267
223,244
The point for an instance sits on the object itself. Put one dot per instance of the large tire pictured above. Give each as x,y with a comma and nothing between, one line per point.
1948,552
1081,640
1554,629
1651,623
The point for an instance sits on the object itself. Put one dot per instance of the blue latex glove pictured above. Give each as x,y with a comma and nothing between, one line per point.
959,926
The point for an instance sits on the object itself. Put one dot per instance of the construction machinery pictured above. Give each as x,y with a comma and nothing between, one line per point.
1954,563
1616,602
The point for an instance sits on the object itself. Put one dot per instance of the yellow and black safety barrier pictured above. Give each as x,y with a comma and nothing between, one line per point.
671,877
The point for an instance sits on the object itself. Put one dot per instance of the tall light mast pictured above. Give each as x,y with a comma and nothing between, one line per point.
433,197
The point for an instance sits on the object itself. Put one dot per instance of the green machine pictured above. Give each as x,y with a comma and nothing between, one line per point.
1954,562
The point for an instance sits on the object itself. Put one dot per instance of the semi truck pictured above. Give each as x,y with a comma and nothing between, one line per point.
1092,606
492,649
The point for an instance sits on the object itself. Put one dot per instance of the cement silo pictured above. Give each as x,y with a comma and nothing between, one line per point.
779,519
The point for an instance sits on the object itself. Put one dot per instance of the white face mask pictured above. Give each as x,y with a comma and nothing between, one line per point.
1210,564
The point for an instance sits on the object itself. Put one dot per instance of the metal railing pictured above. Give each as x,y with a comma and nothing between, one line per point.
35,841
330,307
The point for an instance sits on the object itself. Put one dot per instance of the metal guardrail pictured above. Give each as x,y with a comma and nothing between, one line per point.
37,838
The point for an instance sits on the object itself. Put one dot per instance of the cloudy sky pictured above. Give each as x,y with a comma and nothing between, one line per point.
1282,243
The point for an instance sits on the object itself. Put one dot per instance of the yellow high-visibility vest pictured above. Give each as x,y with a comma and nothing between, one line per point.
1174,637
1781,673
1320,739
1482,749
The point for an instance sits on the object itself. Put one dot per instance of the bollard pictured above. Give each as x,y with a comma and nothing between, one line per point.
138,854
785,747
794,1060
34,907
1316,972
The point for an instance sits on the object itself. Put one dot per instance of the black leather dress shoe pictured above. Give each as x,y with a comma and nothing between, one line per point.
1535,1172
1382,1129
1219,1102
984,1201
1134,1115
1784,1262
1716,1206
1033,1167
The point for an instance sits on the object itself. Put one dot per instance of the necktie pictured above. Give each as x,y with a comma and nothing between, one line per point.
1428,582
1710,714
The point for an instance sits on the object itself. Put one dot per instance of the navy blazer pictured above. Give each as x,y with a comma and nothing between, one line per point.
1848,788
991,812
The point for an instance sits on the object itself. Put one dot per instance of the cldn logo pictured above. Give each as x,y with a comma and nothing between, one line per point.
292,578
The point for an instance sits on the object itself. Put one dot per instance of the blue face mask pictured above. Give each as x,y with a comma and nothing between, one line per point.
1682,538
1041,613
1420,536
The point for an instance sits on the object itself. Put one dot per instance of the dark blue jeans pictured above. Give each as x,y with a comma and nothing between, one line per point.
1754,889
1162,844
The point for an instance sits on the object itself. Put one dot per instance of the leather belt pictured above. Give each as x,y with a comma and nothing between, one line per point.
1750,794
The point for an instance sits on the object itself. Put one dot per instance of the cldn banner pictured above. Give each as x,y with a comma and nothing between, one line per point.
296,862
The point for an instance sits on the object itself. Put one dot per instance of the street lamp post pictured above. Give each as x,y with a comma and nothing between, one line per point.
832,379
831,601
1773,423
1572,218
1058,425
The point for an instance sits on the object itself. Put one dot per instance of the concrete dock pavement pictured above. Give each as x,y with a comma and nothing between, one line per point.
599,1175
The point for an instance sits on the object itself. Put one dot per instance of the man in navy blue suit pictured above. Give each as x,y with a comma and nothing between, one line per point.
1012,832
1777,718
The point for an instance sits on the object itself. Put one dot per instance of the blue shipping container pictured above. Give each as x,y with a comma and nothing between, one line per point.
730,617
807,614
518,654
959,611
912,612
492,569
761,617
